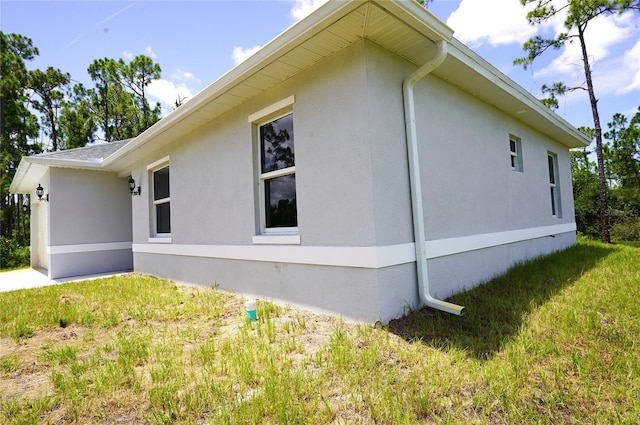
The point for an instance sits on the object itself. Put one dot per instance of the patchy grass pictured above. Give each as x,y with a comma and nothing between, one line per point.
553,341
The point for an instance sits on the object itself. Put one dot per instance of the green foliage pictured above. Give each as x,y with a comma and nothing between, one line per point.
624,150
626,230
118,102
18,126
585,195
579,14
12,255
47,87
117,108
622,162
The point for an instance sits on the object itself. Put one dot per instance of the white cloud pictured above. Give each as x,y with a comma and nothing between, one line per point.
149,52
613,69
613,43
631,63
167,93
182,75
299,10
494,22
302,8
240,54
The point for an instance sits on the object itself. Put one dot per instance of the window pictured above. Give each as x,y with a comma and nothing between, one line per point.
278,176
160,199
515,147
556,207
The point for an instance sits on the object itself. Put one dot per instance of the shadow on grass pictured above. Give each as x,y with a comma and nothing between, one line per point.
496,311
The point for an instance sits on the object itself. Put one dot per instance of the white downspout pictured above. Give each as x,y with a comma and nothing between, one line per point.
416,184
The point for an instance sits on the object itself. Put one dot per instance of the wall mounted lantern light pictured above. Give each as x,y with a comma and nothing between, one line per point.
40,193
132,187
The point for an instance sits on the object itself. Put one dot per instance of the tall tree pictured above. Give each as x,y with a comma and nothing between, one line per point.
624,151
136,76
17,124
111,105
579,13
119,100
77,123
48,87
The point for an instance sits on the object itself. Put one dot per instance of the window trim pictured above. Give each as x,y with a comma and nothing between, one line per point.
156,237
554,185
273,235
516,156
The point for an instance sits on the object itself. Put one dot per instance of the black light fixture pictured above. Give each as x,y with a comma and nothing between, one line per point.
132,187
40,193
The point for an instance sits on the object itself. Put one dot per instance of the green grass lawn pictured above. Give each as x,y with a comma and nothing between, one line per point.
554,341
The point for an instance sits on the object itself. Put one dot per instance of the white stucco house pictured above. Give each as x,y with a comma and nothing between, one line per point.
362,162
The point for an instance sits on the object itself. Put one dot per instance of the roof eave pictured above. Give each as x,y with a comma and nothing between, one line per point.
408,11
529,110
21,184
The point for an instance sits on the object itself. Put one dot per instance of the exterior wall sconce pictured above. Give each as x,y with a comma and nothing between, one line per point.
40,193
132,187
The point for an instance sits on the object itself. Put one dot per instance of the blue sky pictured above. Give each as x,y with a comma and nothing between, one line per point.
196,42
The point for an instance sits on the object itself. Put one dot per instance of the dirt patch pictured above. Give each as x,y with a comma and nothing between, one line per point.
30,375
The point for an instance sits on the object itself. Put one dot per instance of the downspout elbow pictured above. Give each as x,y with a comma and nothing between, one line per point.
415,182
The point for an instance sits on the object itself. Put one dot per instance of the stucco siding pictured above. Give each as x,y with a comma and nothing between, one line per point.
457,273
469,186
39,229
89,207
350,292
90,262
352,189
392,192
90,226
214,170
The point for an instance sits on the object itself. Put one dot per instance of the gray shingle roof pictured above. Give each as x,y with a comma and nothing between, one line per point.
88,153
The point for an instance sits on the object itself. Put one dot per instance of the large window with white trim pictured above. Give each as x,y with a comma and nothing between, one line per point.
554,187
278,175
160,198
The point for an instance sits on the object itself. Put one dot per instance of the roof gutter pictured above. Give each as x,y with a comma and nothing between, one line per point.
416,182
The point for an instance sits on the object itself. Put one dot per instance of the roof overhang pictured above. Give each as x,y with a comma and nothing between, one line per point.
32,169
467,70
403,27
400,26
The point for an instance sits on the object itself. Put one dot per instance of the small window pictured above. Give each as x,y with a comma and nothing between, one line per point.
515,148
160,199
554,188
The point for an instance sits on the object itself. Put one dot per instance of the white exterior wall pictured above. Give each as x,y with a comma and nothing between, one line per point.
90,228
39,228
356,253
481,217
214,200
465,160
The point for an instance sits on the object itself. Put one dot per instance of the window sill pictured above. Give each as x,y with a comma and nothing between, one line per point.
275,239
160,239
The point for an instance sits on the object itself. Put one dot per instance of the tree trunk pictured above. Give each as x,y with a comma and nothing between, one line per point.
604,201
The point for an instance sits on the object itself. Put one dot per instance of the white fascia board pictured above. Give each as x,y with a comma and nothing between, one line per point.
17,183
31,168
499,79
66,163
